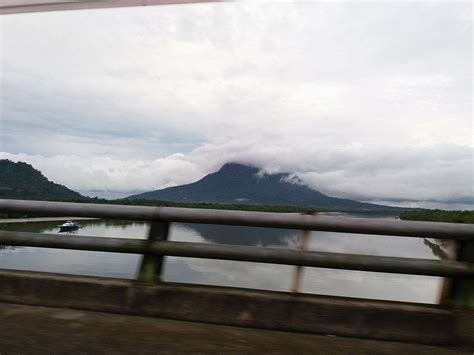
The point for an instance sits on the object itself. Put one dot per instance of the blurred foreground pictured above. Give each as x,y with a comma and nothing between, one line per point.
41,330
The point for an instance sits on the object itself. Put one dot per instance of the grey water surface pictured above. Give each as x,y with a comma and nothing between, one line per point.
233,273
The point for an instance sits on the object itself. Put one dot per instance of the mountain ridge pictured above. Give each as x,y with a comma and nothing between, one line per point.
238,183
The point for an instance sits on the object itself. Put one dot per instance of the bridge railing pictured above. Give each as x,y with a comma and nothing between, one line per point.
460,271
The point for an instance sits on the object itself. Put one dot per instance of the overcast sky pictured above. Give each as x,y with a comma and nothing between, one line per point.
371,101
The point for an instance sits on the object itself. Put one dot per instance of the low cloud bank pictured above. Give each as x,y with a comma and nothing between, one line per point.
439,173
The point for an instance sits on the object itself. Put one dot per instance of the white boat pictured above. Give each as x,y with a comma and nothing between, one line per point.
68,226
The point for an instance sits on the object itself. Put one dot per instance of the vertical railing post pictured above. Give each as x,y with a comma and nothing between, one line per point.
297,279
461,294
447,283
150,268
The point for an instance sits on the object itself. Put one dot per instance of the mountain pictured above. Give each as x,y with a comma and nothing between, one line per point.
241,184
23,182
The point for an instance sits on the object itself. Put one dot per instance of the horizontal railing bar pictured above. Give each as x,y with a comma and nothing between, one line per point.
15,7
317,259
244,253
44,240
318,222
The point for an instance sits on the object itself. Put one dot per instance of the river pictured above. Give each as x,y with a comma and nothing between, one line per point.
358,284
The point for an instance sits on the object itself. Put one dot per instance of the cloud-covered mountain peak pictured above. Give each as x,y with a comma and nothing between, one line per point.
239,183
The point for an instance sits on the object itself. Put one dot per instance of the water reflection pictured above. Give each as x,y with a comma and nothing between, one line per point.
232,273
315,280
68,232
94,227
239,235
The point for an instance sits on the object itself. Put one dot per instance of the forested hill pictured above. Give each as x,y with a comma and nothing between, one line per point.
23,182
236,183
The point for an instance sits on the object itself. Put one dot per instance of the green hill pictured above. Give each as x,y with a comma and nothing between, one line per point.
21,181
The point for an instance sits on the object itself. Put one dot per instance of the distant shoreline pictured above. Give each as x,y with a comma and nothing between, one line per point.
412,214
439,216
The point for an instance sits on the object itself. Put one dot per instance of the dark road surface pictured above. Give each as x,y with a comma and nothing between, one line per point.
41,330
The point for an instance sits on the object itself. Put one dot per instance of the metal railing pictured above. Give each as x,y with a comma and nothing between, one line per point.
157,246
27,6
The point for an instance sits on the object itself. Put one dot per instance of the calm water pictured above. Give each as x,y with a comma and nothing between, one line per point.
232,273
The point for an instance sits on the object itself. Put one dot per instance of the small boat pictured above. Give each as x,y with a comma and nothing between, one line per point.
68,226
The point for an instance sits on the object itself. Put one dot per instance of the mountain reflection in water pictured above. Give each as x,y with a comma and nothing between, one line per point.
239,235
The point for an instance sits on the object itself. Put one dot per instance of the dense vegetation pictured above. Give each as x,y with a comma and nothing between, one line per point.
220,206
239,207
23,182
439,216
